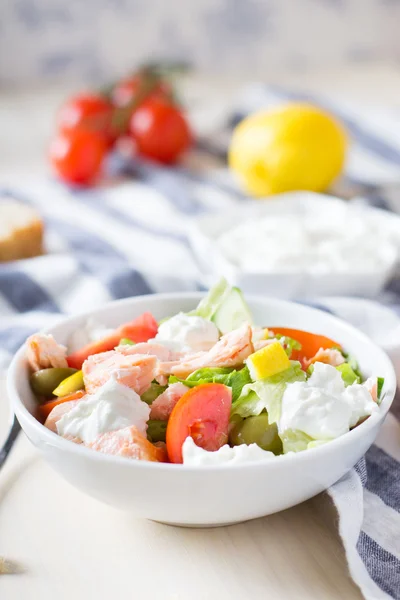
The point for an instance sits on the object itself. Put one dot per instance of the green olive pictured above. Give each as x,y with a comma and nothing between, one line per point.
43,382
156,430
153,392
257,430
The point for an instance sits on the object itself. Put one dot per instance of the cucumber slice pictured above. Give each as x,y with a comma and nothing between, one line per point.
211,303
232,312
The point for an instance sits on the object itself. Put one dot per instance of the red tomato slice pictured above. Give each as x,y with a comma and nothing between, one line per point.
203,414
141,329
310,342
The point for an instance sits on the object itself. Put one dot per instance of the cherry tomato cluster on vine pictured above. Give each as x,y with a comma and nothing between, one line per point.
89,125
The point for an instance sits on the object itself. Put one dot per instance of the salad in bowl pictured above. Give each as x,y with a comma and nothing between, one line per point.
204,387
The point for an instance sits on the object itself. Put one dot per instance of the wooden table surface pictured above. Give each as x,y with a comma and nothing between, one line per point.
70,546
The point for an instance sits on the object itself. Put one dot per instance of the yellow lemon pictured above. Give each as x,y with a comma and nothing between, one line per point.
290,147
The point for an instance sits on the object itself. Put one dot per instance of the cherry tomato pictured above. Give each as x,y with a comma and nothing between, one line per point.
310,342
77,156
87,111
125,91
203,414
160,130
140,329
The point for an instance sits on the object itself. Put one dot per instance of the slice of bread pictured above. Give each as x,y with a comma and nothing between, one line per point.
21,231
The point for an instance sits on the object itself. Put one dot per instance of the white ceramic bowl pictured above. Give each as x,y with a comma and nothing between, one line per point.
217,495
206,228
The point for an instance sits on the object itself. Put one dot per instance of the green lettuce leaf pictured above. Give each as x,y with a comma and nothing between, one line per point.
228,376
348,375
209,305
126,341
294,440
289,344
353,364
214,374
316,443
381,381
266,394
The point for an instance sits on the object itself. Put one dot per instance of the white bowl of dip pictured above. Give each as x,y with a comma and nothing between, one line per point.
299,245
215,494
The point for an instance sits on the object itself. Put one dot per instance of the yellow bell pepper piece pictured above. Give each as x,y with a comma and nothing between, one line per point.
71,384
268,361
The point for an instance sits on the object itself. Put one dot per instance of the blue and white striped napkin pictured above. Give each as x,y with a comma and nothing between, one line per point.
131,238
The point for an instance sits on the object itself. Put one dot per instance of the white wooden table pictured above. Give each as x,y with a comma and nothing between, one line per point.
73,547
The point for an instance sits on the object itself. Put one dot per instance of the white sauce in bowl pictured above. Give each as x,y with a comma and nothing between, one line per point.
345,242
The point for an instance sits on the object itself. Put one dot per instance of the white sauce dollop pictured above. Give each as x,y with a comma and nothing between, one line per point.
187,333
114,406
322,407
194,455
345,241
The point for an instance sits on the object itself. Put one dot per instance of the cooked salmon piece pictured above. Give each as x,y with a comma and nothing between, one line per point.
372,386
329,356
230,351
165,356
162,406
129,442
44,352
151,349
56,414
136,371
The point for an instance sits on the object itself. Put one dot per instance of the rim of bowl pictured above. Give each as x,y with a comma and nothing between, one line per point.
54,439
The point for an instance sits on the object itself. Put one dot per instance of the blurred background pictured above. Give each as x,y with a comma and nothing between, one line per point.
346,48
44,41
241,56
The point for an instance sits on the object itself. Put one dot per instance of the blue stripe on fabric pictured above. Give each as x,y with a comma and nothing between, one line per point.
212,183
116,213
99,258
216,151
361,470
12,338
394,286
383,567
366,139
23,293
373,194
383,479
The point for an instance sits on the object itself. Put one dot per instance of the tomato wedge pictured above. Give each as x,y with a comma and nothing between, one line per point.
203,414
46,408
310,342
141,329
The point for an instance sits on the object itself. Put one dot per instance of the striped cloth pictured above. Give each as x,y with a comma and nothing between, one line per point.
131,238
